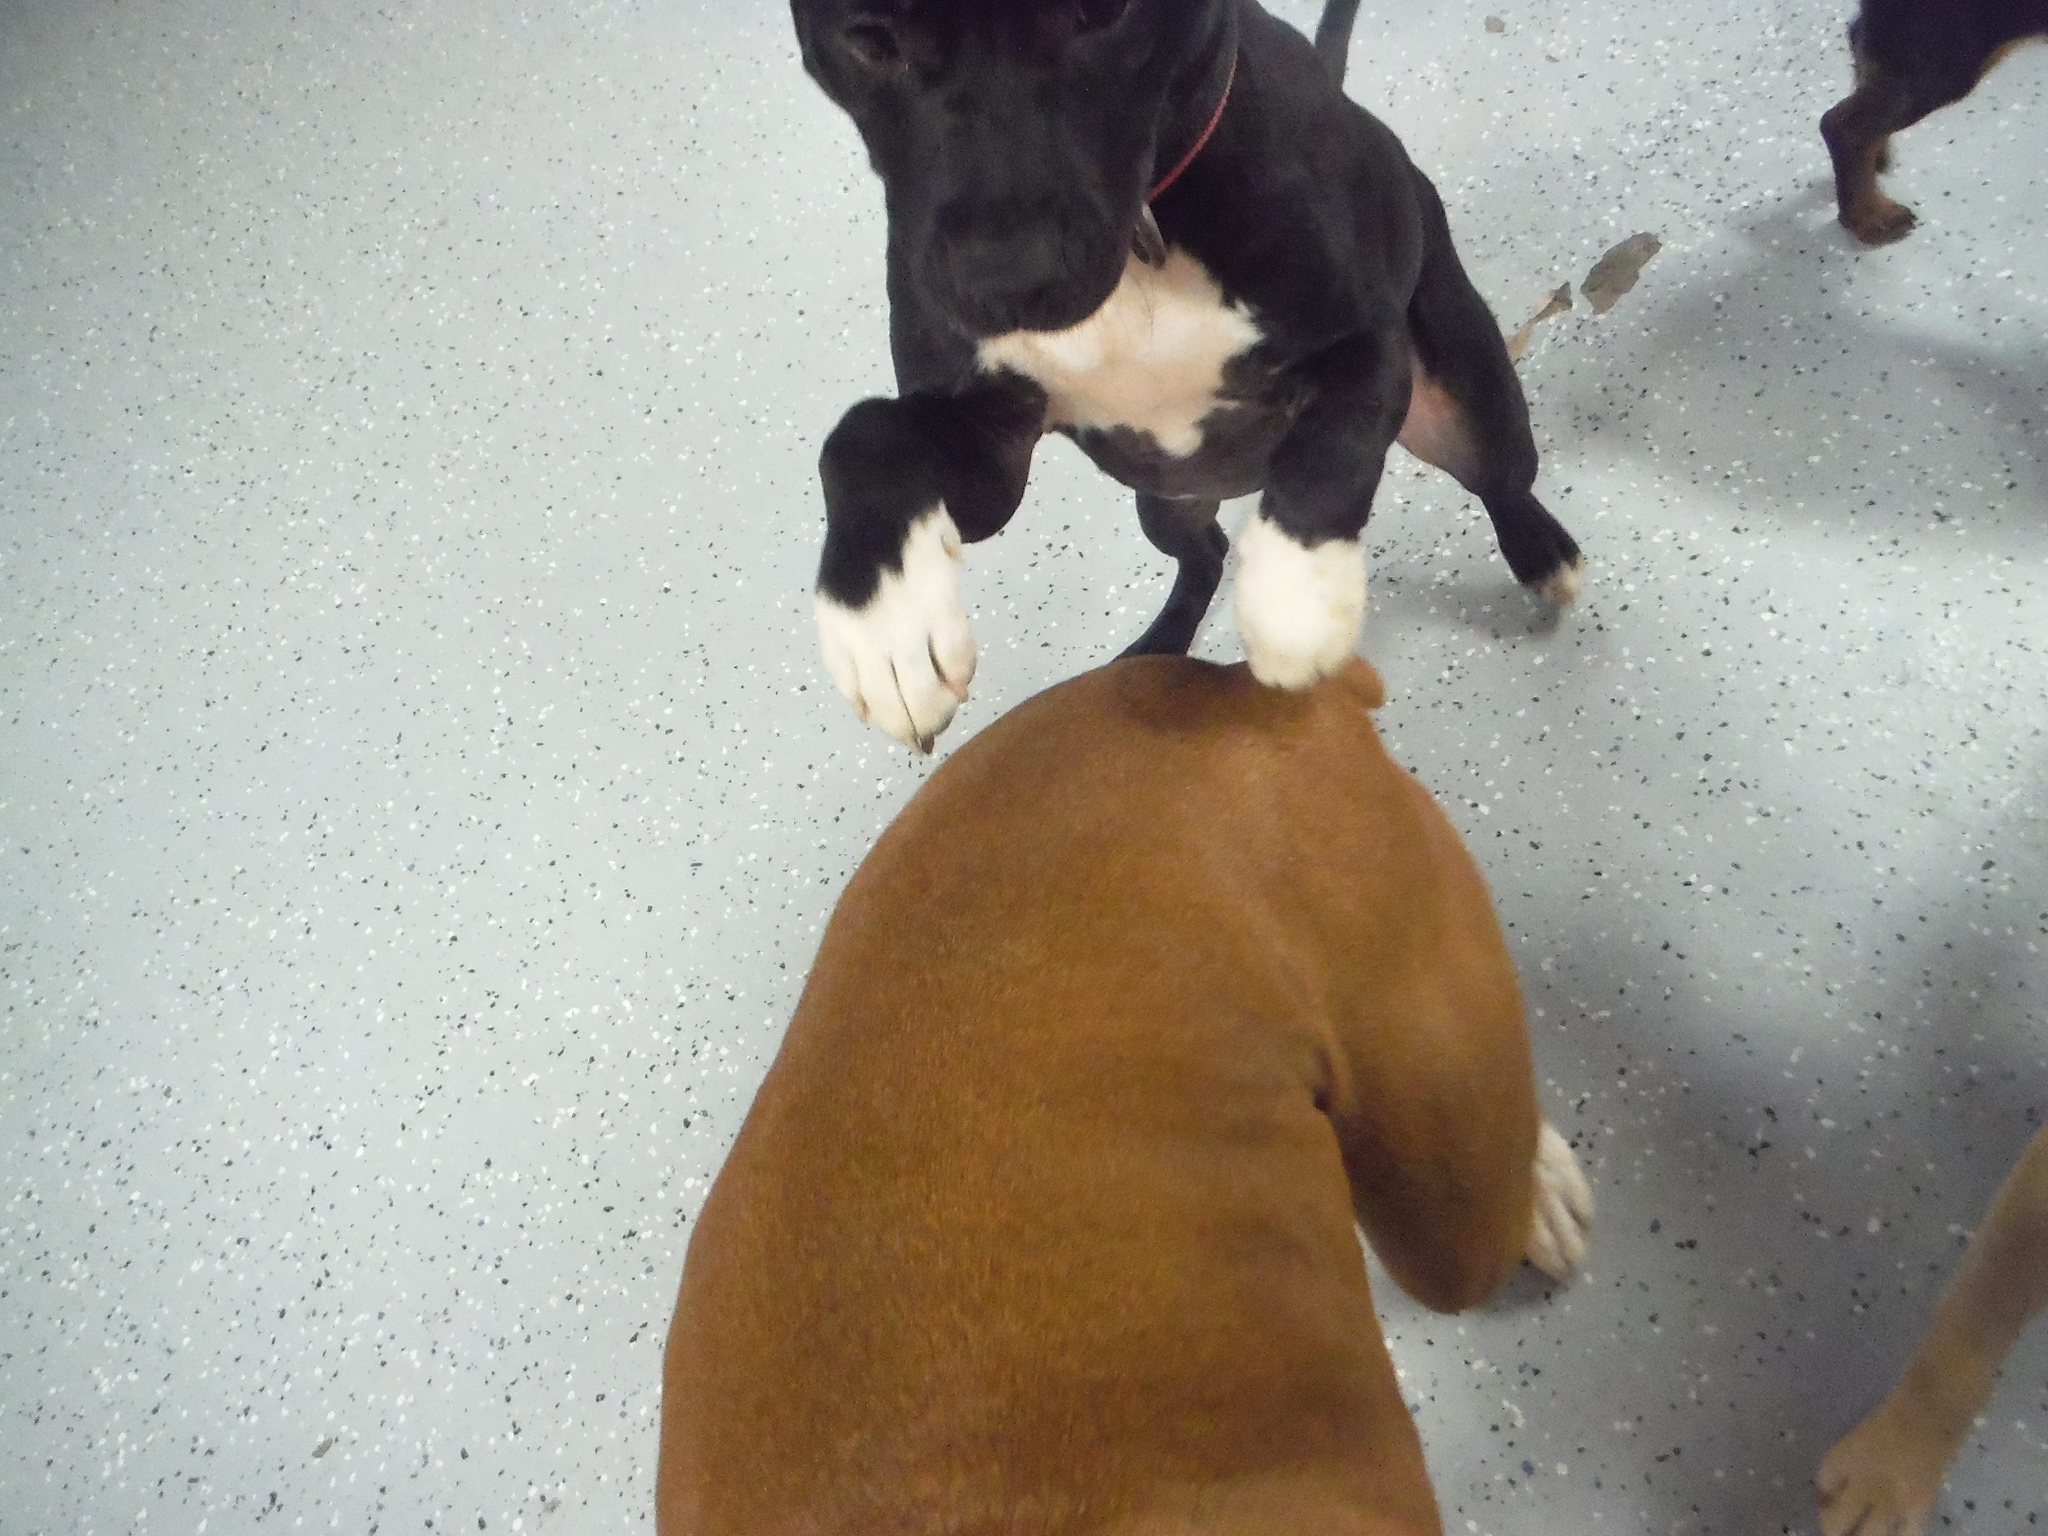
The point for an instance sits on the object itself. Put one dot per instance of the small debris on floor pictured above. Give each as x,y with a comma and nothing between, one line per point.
1557,303
1495,24
1616,272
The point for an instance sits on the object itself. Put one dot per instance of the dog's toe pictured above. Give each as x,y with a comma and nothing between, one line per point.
1877,220
1561,588
906,657
1563,1212
1299,609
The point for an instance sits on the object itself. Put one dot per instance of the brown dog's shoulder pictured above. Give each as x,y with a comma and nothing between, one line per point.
1151,726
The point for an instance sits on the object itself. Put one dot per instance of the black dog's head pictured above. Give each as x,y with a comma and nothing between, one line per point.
1016,139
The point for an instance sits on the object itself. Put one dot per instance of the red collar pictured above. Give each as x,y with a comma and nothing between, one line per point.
1201,143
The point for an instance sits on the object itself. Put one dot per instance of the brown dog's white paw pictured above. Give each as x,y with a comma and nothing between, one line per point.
905,657
1299,609
1564,1207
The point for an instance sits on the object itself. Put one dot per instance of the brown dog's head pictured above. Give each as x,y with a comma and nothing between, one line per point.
1016,139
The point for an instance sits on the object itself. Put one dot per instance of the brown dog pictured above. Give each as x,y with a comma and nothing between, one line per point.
1882,1478
1042,1220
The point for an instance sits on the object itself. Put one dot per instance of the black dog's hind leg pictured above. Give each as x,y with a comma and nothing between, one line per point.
1188,531
1468,417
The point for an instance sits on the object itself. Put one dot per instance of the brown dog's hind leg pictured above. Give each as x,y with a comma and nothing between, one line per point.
1467,416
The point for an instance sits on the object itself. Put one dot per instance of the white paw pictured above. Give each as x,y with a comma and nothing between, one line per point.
1562,589
1298,610
1564,1207
905,658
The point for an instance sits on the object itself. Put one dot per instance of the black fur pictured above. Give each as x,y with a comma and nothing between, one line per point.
1912,56
1017,143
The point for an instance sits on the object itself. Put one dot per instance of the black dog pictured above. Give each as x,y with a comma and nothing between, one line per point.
1912,56
1159,227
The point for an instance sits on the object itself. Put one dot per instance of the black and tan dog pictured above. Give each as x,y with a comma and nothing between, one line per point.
1042,1220
1158,227
1912,56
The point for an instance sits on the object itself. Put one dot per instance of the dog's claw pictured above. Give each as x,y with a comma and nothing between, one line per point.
957,686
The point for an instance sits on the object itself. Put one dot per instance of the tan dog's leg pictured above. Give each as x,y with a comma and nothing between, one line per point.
1881,1480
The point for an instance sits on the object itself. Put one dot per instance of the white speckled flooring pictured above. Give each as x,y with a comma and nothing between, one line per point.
419,798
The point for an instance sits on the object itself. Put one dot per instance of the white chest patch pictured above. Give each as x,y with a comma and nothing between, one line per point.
1150,359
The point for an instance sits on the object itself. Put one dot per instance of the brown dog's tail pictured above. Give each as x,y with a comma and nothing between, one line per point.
1333,37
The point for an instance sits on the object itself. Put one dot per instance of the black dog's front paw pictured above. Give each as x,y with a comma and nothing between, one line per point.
905,657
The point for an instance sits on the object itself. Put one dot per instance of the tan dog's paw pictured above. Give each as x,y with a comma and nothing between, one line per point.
905,658
1882,1477
1299,610
1564,1207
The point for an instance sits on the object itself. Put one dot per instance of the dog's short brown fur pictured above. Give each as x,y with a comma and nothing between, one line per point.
1043,1218
1912,56
1881,1480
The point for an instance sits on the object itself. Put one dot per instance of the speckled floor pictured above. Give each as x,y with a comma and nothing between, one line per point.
420,796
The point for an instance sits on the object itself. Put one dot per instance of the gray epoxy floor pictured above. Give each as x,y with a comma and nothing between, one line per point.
420,796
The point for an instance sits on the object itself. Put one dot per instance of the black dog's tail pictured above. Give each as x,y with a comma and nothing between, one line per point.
1333,36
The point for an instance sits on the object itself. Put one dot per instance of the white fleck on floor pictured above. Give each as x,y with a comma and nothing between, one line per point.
420,795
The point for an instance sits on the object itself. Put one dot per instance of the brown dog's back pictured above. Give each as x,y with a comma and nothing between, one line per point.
1041,1220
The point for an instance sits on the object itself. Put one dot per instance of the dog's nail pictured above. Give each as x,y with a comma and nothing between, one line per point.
950,543
955,686
1147,244
860,708
923,744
